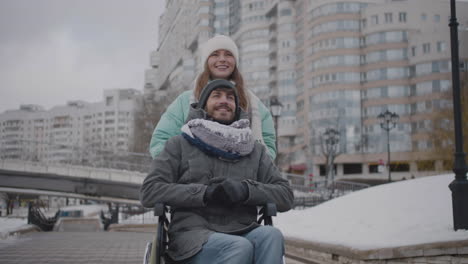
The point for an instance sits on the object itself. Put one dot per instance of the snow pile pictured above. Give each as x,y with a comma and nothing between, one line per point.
11,224
88,210
146,218
390,215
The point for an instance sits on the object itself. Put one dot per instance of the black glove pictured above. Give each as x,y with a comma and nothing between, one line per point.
209,193
233,192
212,193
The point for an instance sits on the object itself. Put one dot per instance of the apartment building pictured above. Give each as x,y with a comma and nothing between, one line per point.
365,57
332,64
78,132
174,63
183,27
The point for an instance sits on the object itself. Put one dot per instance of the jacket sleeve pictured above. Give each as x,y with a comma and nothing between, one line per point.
160,186
268,129
169,125
270,186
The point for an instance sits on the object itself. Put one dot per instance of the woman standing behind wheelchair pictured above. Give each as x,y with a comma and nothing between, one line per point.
220,59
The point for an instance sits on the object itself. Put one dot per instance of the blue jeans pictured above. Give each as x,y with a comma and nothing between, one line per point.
263,245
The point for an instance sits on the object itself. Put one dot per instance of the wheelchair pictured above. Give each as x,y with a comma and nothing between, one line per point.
155,252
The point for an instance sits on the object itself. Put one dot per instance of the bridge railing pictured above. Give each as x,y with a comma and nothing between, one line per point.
74,171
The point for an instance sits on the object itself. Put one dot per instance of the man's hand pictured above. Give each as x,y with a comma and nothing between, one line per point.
235,192
229,192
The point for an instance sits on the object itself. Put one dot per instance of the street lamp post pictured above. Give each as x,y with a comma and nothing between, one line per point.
387,122
276,107
331,137
459,186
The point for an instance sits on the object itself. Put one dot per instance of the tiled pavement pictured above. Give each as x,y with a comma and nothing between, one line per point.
75,247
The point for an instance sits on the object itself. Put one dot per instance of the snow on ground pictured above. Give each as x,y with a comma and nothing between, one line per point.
146,218
397,214
88,210
10,224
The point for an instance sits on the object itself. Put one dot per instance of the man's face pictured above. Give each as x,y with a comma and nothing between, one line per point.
221,105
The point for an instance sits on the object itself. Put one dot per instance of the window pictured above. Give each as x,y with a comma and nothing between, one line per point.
109,100
285,12
413,51
440,66
441,46
402,17
436,18
375,19
423,17
426,47
388,18
204,10
204,22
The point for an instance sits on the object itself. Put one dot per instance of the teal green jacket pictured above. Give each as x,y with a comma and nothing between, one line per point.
176,114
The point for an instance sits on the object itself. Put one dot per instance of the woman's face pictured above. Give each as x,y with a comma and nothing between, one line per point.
221,64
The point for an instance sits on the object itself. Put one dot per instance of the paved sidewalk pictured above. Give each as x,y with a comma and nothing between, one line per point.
78,247
74,247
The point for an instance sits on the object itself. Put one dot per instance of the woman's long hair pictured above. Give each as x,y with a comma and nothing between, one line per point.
236,77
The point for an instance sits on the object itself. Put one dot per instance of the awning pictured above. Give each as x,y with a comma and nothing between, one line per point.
298,167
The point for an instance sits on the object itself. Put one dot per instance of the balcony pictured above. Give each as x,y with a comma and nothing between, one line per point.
272,37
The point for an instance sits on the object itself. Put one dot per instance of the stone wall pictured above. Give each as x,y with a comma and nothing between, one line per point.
437,253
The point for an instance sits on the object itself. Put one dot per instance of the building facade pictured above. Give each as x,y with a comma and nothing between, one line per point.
332,64
78,132
366,57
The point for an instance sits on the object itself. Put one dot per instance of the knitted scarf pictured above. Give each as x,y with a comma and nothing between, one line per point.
230,142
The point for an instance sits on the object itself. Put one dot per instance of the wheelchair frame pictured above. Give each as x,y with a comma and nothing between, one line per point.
156,250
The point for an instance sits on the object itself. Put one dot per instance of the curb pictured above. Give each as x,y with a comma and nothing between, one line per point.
147,228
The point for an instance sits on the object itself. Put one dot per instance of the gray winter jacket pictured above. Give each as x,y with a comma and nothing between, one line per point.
179,177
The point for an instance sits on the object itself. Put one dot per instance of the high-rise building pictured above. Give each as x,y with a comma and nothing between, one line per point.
183,27
332,64
365,57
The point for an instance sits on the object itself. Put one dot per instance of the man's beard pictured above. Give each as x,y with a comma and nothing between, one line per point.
224,122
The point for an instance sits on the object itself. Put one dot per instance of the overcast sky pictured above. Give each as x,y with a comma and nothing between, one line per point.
52,51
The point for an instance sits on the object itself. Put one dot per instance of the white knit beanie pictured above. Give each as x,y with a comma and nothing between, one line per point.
216,43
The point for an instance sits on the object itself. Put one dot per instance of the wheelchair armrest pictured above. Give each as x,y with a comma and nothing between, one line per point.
266,214
269,209
159,209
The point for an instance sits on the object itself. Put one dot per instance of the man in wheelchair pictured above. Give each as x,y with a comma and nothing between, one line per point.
213,177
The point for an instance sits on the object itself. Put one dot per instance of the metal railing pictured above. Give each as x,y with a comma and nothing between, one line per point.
317,192
36,217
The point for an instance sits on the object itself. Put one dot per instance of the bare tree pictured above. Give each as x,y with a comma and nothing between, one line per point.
443,130
329,145
146,119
